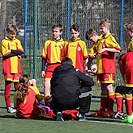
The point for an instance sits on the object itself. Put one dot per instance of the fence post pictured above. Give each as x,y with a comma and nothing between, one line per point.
25,22
121,23
35,40
68,18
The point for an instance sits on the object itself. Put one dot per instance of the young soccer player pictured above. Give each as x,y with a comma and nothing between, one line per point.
25,100
129,28
126,69
104,47
76,49
11,50
52,54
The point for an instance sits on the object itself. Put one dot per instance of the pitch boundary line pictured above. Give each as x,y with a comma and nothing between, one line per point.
113,123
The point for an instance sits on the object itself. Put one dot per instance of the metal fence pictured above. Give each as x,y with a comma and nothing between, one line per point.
41,15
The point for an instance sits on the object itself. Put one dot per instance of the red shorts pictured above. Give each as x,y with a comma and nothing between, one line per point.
105,78
49,71
129,77
14,77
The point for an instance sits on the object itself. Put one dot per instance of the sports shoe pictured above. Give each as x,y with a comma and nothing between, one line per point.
127,119
59,117
119,115
82,118
87,114
11,110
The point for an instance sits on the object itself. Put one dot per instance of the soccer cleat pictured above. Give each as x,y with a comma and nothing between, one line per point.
127,119
11,110
119,115
59,117
98,113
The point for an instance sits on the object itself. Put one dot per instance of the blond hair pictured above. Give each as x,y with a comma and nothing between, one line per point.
90,33
105,23
128,26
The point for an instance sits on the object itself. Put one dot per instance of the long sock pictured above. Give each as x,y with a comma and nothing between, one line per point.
111,101
132,102
16,86
103,102
7,93
119,102
129,104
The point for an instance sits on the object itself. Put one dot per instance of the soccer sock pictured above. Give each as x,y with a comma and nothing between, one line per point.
119,102
7,93
103,101
111,101
129,104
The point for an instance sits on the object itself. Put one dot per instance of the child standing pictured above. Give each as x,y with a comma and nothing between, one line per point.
52,54
76,49
11,51
25,100
129,28
105,46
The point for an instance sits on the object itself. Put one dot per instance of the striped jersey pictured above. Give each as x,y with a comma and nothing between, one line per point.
53,51
106,60
12,64
77,51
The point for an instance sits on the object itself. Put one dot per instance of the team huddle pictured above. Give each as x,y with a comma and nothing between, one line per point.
67,73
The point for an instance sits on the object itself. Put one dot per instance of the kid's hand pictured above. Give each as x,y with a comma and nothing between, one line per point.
43,74
102,50
19,56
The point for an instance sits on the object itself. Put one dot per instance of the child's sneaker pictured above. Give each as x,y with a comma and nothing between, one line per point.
59,117
11,110
47,109
128,119
119,115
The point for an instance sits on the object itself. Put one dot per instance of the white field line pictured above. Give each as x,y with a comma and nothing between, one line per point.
113,123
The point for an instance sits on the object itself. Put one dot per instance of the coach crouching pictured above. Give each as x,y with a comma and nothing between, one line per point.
70,89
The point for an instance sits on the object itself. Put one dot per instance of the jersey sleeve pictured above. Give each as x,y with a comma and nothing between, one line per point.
85,51
44,51
112,43
4,48
130,46
38,94
92,50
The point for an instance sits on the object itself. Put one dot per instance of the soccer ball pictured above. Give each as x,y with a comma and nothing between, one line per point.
94,68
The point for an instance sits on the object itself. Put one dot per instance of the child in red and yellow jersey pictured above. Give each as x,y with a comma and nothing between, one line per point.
76,49
11,50
52,54
25,100
126,69
104,48
129,28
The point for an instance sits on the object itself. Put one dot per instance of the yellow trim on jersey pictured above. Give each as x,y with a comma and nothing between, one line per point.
38,94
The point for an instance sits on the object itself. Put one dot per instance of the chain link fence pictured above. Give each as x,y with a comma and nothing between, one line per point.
87,13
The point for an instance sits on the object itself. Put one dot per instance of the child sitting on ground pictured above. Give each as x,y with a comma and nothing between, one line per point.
25,100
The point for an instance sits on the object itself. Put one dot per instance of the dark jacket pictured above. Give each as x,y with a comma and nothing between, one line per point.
66,83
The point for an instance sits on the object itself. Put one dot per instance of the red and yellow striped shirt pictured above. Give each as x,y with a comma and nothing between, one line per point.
77,51
53,51
12,64
106,60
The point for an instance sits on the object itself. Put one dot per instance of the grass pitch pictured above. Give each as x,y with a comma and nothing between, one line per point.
10,124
